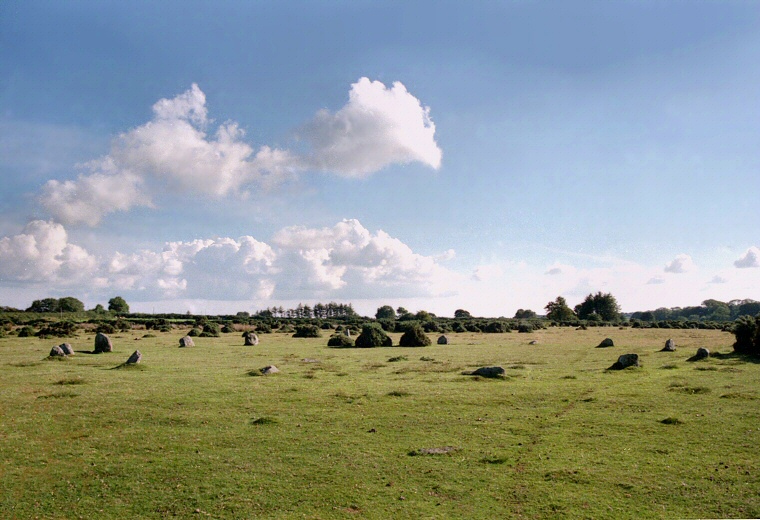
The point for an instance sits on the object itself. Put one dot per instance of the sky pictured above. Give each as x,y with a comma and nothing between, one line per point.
218,157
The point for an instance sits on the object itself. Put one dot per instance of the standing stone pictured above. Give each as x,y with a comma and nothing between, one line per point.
135,358
443,340
607,342
348,333
251,339
66,348
102,343
187,341
670,346
56,351
702,353
625,361
489,372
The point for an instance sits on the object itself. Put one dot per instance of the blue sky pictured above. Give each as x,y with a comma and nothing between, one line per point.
230,156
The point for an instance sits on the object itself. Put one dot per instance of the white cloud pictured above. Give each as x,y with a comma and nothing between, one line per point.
656,280
718,279
174,153
751,258
42,253
378,126
680,264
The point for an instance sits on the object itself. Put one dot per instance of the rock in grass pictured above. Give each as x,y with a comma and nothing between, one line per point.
443,340
606,342
187,341
489,372
135,358
102,343
251,339
57,351
271,369
670,346
66,348
625,361
702,353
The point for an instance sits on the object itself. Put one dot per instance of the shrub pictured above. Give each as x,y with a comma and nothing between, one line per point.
60,329
327,326
525,327
458,327
211,330
431,326
105,328
307,331
747,332
340,341
373,336
263,328
414,337
472,327
194,332
227,329
497,327
26,332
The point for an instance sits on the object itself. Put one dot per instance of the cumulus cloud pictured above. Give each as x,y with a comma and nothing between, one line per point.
42,253
680,264
656,280
718,279
378,126
175,151
751,258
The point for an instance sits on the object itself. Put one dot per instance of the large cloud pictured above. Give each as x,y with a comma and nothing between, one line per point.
750,259
175,153
42,253
680,264
379,126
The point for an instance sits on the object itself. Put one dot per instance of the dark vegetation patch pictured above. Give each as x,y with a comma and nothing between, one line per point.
672,420
396,359
398,393
58,395
263,421
76,380
494,460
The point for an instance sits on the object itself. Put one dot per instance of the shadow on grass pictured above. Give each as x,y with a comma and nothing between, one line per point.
736,356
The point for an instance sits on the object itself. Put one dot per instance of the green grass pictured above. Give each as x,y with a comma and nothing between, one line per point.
343,433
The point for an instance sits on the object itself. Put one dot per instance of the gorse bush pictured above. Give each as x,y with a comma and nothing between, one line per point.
373,336
414,337
307,331
747,332
211,330
340,340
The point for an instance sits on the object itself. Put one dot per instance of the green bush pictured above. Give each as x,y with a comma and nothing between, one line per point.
60,329
414,337
211,330
105,328
747,332
340,341
525,327
496,327
194,332
227,329
26,332
307,331
373,336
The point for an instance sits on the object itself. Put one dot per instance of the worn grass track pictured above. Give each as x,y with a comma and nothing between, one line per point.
347,433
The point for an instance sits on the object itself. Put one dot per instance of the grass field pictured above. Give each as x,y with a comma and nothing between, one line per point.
347,433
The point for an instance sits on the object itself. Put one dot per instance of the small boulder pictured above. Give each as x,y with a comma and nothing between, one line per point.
702,353
57,351
533,342
135,358
187,341
251,339
66,348
102,343
489,372
625,361
606,342
271,369
443,340
670,346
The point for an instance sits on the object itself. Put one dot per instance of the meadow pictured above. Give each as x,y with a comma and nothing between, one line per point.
381,433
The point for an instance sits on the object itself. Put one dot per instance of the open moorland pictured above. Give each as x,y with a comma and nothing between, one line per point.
388,432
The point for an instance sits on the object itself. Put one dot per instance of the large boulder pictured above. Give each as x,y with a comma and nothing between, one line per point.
187,341
625,361
251,339
66,348
606,342
56,351
443,340
670,346
488,372
702,353
135,358
102,343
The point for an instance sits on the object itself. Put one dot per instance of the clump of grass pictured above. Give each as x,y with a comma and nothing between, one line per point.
135,367
398,358
671,420
149,335
693,390
58,395
669,367
398,393
425,358
23,364
569,377
707,369
263,421
493,460
517,367
738,395
444,450
76,380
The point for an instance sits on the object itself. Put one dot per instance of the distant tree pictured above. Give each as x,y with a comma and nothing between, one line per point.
424,316
524,314
462,314
559,311
118,304
99,309
243,314
70,304
385,312
646,316
605,306
400,311
717,310
44,305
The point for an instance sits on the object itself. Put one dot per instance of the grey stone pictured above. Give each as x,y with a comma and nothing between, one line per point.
489,372
66,348
606,342
187,341
443,340
348,333
56,351
625,361
702,353
102,343
534,342
271,369
251,339
135,358
670,346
